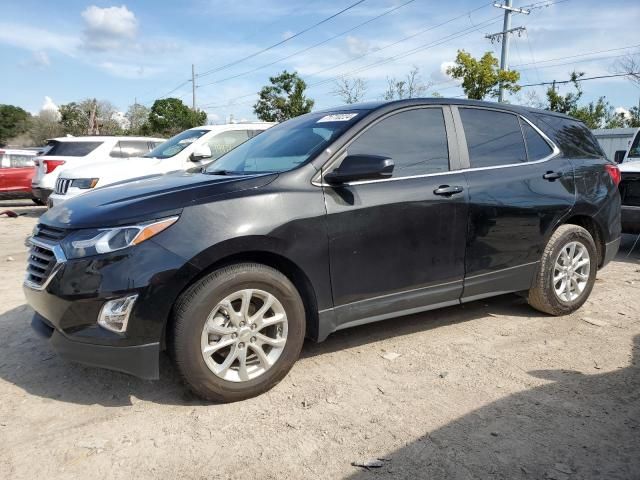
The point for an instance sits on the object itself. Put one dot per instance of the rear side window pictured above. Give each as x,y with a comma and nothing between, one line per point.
634,151
129,148
537,147
416,141
71,149
493,138
571,136
15,160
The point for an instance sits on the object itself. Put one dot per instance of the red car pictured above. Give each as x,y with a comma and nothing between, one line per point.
16,171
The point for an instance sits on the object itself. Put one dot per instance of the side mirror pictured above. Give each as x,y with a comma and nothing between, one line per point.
361,167
618,157
200,152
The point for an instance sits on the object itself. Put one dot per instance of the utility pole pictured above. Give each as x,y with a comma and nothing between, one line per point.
504,36
193,85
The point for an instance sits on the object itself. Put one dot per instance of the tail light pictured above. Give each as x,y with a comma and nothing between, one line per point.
51,165
614,173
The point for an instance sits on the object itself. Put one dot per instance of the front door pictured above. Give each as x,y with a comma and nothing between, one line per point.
519,189
397,244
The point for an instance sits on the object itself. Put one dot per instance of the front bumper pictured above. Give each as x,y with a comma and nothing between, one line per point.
70,303
41,194
630,219
138,360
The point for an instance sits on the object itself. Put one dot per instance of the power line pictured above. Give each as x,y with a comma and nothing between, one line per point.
255,54
595,52
583,79
426,46
308,48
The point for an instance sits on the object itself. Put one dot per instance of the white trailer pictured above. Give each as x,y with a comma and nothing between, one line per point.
614,139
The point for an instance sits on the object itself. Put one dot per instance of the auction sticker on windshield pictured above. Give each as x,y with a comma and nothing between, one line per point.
337,117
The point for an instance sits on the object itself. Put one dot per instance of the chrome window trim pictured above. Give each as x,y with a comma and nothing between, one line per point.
462,149
60,257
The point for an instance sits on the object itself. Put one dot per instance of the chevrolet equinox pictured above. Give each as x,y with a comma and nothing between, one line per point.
329,220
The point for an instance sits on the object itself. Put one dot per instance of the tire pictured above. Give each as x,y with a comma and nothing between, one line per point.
37,201
543,295
207,302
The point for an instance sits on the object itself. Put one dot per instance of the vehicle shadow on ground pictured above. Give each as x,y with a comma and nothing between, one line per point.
577,426
629,249
29,362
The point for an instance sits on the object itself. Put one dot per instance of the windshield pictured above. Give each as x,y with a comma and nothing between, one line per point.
176,144
634,151
285,146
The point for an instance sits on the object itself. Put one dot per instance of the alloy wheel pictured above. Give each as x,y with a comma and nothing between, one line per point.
244,335
571,271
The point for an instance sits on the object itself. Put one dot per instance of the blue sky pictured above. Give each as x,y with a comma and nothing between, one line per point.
69,50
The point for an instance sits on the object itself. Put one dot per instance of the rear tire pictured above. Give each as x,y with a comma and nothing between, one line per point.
37,201
566,273
253,320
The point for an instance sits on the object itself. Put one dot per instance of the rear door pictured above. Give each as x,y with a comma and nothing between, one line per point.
520,187
18,173
395,246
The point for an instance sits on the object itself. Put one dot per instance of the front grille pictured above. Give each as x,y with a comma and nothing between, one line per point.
62,185
40,264
630,189
48,233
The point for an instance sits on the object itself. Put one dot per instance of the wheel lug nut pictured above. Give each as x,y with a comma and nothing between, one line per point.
253,339
242,324
241,345
234,335
253,326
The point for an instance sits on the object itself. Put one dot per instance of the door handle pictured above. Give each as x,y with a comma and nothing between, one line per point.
551,176
447,191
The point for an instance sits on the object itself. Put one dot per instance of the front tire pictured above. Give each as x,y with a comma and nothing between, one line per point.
237,332
567,272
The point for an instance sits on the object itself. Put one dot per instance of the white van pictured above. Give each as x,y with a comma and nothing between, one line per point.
190,149
66,152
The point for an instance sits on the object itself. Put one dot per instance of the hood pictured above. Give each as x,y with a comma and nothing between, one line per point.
630,165
114,170
147,199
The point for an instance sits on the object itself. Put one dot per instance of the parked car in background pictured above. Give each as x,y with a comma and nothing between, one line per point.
615,140
630,186
327,221
16,172
192,148
68,152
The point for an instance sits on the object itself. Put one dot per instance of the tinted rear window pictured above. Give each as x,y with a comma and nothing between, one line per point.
71,149
537,147
571,136
493,138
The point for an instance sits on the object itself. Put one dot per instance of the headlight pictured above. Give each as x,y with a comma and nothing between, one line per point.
84,243
84,183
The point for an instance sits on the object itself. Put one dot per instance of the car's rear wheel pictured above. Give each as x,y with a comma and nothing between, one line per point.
238,331
566,273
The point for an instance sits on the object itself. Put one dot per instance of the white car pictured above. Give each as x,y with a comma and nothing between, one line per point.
70,151
192,148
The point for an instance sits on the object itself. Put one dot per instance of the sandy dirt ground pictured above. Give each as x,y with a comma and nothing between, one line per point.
490,389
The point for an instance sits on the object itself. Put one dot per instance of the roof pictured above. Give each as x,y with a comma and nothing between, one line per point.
614,132
102,138
442,101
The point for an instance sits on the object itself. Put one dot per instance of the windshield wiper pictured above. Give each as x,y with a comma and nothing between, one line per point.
221,172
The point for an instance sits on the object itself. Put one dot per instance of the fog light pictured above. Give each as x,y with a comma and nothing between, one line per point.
114,315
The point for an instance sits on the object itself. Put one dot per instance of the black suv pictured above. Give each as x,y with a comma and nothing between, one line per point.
329,220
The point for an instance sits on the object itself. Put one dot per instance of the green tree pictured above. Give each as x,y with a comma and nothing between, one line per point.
13,122
482,78
169,116
138,115
74,119
568,102
89,117
283,99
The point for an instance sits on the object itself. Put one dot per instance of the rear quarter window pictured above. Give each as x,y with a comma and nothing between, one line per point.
71,149
572,137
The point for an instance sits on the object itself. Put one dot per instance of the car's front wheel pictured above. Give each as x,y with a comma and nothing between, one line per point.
566,273
238,331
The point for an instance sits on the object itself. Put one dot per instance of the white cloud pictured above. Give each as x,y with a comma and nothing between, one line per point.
287,34
622,111
48,104
35,38
124,70
441,74
108,28
357,46
39,59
